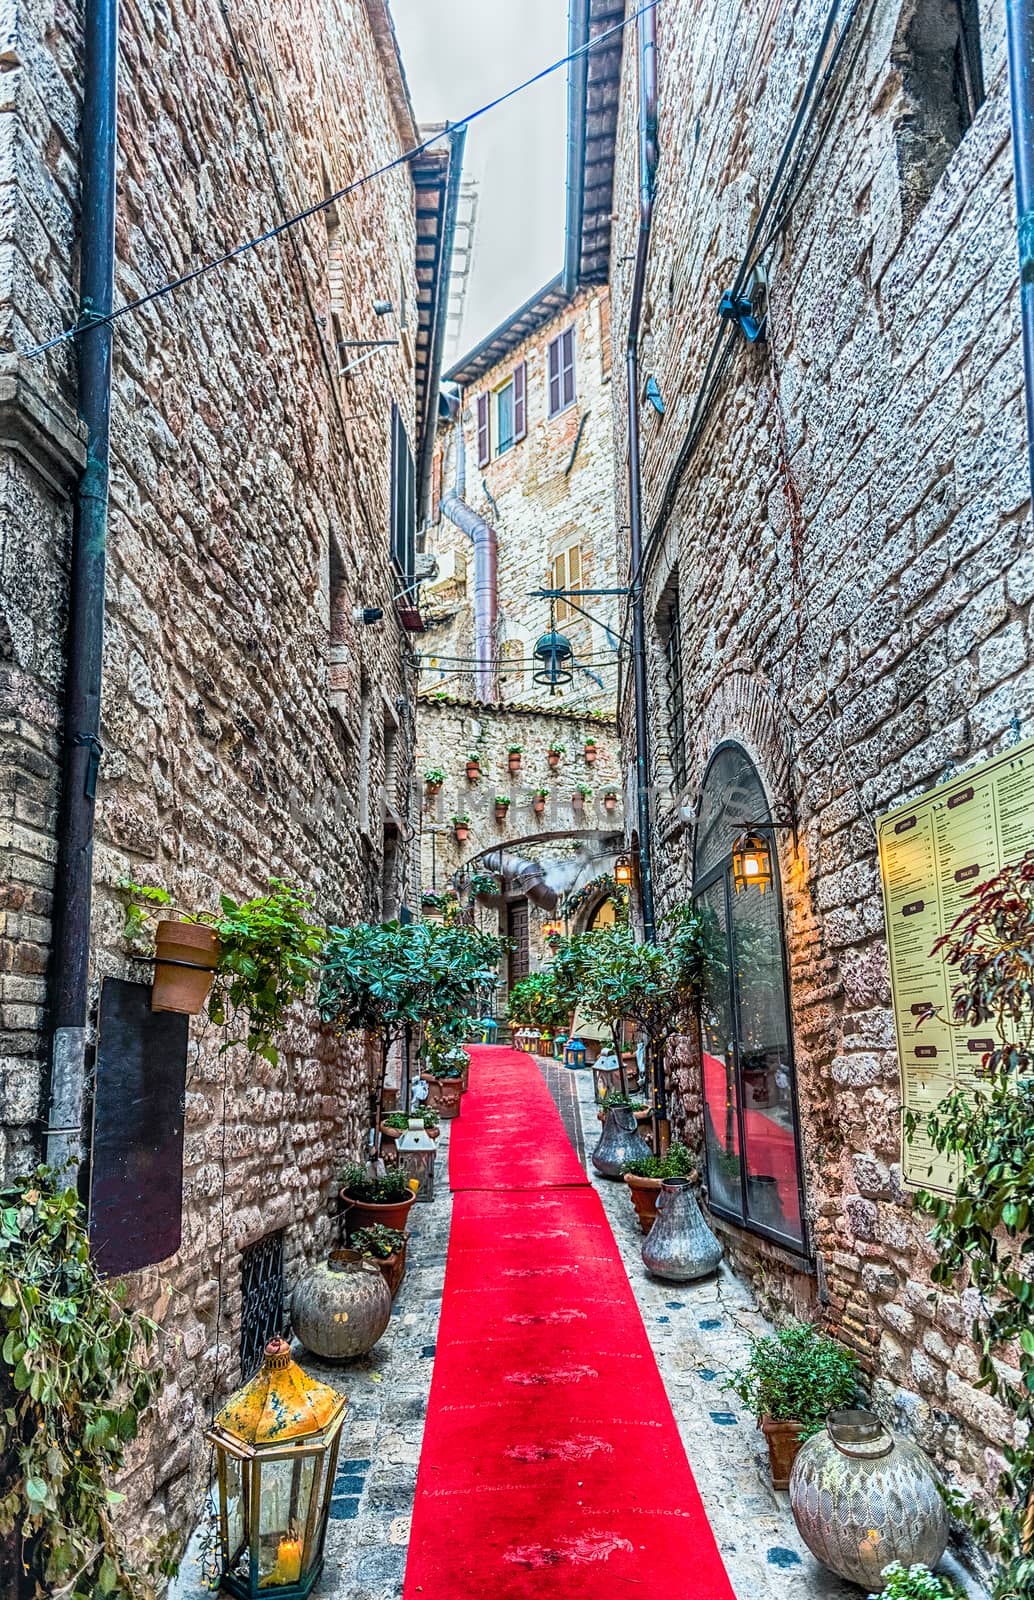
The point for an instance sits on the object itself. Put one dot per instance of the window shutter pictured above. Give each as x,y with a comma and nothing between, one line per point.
555,390
567,366
484,435
574,567
520,408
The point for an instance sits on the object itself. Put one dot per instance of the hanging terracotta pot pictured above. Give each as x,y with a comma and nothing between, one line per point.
680,1245
621,1143
578,801
443,1096
195,950
644,1193
590,754
433,788
610,802
514,761
553,757
462,832
862,1497
340,1309
473,771
500,813
538,805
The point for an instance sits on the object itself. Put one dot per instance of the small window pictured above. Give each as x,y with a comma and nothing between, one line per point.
504,428
262,1299
403,498
561,372
751,1132
484,431
676,697
937,51
567,574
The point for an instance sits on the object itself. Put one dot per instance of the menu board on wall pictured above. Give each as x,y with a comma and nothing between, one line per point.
931,852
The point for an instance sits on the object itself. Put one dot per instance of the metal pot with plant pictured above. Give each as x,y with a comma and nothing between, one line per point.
513,757
793,1379
434,777
372,1197
502,806
644,1179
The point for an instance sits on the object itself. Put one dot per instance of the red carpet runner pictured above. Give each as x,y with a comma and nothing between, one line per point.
551,1463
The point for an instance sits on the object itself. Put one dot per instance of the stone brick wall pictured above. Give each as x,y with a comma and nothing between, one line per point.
541,496
247,720
850,545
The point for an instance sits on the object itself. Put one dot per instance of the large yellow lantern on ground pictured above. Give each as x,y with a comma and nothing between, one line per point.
276,1443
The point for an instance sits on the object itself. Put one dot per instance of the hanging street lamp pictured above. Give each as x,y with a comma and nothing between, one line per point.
276,1443
555,653
623,871
752,862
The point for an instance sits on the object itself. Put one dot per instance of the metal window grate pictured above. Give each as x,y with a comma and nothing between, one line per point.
676,703
262,1298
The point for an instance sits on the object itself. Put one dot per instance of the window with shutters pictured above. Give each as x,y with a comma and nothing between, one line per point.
484,430
560,365
567,574
504,418
403,498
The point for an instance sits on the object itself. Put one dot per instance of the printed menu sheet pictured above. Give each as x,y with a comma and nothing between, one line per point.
931,853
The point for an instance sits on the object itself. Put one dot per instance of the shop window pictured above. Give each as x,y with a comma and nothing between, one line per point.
937,52
567,574
262,1298
751,1132
671,631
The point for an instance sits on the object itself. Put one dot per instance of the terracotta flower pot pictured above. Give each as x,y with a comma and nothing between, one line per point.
553,758
364,1213
443,1096
185,987
538,806
514,763
462,833
643,1193
578,802
473,771
434,788
784,1441
610,802
500,813
590,753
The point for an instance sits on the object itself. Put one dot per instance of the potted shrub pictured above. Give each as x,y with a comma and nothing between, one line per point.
513,757
445,1090
473,767
370,1199
484,886
917,1583
610,799
250,958
555,753
538,800
590,751
461,828
434,777
793,1379
396,1123
644,1179
582,793
502,806
384,1246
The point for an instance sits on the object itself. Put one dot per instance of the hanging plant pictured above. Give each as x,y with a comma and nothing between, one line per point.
502,806
74,1385
610,799
590,751
582,793
461,827
538,800
484,884
514,757
473,767
434,777
555,753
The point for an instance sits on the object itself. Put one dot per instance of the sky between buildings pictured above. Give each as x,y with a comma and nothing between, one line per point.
458,54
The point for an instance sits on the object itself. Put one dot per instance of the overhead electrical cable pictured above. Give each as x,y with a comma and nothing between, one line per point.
315,209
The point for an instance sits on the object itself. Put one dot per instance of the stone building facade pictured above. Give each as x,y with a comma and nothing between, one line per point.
838,568
253,725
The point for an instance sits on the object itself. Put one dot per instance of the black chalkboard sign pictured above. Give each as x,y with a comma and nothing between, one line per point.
136,1173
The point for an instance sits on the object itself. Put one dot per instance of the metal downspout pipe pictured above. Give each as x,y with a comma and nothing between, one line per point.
647,36
486,570
1019,16
85,642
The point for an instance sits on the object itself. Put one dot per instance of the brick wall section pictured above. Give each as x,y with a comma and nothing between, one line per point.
247,519
859,650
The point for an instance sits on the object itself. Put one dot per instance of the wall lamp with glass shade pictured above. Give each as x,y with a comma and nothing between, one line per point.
623,870
752,855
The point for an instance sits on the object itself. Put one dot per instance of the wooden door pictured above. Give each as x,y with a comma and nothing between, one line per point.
517,928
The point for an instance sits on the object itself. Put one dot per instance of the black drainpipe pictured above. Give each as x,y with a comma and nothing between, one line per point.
1020,28
85,644
647,31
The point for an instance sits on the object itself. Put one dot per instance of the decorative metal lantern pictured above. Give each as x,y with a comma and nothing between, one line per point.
416,1155
623,870
555,653
488,1027
752,862
574,1054
276,1442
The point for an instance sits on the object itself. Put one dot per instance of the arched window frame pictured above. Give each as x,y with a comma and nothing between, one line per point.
719,872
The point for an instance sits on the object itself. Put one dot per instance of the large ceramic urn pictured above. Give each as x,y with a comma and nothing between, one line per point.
863,1497
340,1309
620,1144
680,1246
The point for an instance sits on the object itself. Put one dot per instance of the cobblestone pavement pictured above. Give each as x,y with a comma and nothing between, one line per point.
697,1331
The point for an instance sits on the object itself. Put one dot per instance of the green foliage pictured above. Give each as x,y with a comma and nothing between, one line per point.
461,821
377,1241
434,775
590,744
982,1234
584,789
612,1098
474,759
678,1163
402,1119
540,793
515,750
558,750
361,1184
657,987
503,800
796,1374
484,883
73,1388
539,1001
268,953
917,1583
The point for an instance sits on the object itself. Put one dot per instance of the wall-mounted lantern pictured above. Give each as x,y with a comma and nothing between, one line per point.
752,862
623,871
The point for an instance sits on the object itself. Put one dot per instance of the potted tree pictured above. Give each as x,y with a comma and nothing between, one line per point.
502,806
555,754
473,767
434,777
461,828
514,757
538,800
590,751
793,1379
644,1179
370,1198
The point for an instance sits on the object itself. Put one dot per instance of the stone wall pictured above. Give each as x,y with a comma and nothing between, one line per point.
250,727
850,545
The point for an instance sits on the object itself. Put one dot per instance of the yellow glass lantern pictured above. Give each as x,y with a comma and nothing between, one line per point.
276,1442
623,871
416,1152
752,862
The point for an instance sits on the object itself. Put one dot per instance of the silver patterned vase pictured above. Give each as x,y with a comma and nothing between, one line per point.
680,1245
620,1144
862,1497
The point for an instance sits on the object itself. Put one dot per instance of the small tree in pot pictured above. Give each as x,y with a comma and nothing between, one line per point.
793,1379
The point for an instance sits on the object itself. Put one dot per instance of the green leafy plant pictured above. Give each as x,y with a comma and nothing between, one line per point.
461,821
377,1241
503,801
268,952
515,750
590,744
797,1374
917,1583
537,1001
584,789
612,1098
473,759
983,1234
387,1189
540,794
678,1163
434,775
484,883
74,1385
558,750
402,1119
